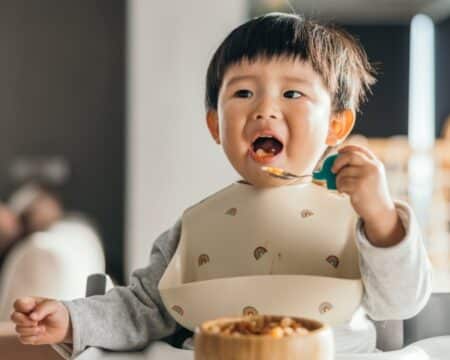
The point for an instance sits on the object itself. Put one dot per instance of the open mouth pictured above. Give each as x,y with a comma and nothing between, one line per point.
266,146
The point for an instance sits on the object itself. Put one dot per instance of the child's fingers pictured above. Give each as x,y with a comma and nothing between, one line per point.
346,184
22,319
353,158
362,149
25,304
29,330
44,309
351,171
29,340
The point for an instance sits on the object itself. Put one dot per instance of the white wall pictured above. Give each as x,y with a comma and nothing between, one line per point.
168,144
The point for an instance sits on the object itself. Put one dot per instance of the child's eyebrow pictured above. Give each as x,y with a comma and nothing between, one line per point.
297,79
240,78
253,77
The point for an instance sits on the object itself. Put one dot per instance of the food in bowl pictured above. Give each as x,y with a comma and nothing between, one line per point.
263,337
260,325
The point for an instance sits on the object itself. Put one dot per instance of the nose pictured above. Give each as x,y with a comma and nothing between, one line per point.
266,108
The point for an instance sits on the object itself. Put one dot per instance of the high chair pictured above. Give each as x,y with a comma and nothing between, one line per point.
432,321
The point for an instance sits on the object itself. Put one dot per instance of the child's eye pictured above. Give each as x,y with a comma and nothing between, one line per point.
243,93
292,94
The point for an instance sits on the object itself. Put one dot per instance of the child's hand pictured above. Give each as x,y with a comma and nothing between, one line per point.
41,321
361,175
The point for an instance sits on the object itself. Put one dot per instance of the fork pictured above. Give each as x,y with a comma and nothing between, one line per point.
323,175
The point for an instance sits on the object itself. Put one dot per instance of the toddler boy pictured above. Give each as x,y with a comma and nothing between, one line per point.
280,91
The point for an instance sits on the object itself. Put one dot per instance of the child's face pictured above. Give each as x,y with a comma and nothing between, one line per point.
284,98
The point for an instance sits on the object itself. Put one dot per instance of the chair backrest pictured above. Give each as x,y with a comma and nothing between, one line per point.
389,334
433,320
95,284
98,284
48,264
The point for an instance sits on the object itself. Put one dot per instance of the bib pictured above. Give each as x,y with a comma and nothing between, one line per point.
287,250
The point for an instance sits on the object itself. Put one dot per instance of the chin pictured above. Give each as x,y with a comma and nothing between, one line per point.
267,186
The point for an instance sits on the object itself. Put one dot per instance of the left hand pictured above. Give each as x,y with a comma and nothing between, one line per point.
361,175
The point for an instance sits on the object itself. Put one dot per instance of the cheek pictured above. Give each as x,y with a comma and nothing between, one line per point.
308,126
232,123
309,121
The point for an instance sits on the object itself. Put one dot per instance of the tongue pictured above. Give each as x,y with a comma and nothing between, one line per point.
269,145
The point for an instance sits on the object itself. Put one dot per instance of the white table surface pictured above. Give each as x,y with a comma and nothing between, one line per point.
437,348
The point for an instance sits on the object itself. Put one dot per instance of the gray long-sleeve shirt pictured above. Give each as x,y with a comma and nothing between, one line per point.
397,284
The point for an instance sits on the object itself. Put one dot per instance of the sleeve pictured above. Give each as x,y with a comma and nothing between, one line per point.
397,279
127,318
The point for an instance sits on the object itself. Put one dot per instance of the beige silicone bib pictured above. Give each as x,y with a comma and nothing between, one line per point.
286,250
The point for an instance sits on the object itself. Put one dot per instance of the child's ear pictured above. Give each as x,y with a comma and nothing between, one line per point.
341,124
212,121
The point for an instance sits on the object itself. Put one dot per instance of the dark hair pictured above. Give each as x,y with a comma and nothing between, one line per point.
334,54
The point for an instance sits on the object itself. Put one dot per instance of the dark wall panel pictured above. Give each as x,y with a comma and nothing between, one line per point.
386,112
442,73
62,92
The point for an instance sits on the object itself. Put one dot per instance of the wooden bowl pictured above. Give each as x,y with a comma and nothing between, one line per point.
317,344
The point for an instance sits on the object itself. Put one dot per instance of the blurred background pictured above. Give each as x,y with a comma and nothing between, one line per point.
102,112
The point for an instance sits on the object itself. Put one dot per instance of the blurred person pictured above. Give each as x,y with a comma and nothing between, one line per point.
32,207
10,230
44,246
39,207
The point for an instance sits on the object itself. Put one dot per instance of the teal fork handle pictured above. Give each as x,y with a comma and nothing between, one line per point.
325,173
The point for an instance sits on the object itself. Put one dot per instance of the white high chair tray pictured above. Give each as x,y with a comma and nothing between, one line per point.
437,348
